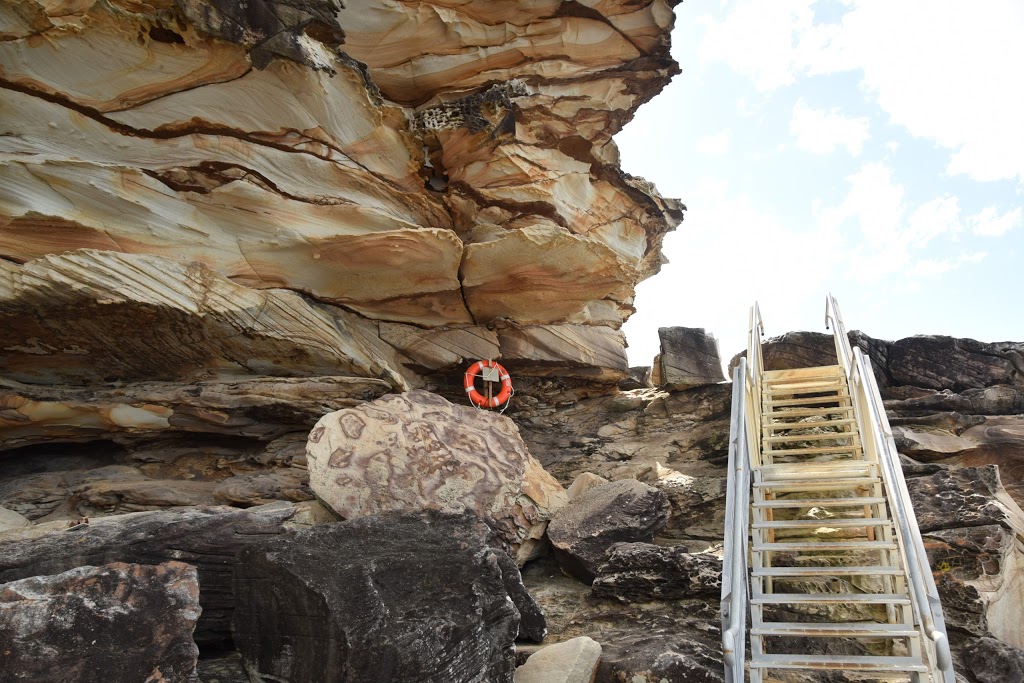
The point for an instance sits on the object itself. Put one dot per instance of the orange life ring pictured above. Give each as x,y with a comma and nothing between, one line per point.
475,396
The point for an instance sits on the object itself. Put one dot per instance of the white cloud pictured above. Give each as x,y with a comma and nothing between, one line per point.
714,144
990,223
821,131
944,70
891,237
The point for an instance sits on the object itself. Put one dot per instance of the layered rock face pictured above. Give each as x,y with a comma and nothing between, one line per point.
366,189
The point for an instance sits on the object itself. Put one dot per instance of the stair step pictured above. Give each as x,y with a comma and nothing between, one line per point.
819,502
807,387
792,438
820,450
818,485
778,427
821,630
828,571
831,598
791,373
810,400
813,523
811,472
804,546
839,663
804,412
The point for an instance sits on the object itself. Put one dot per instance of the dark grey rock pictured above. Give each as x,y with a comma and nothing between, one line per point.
993,661
396,597
639,378
952,499
120,623
623,511
658,658
639,572
207,538
937,362
999,399
689,358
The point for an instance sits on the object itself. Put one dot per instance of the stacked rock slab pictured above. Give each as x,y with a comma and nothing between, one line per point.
416,451
689,358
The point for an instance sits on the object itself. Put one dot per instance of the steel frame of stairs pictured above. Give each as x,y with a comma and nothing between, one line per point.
821,542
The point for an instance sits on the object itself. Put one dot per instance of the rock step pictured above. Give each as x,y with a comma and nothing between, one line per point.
817,424
838,663
819,502
811,523
830,570
821,630
831,598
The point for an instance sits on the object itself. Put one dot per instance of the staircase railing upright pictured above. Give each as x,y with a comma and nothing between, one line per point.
744,450
880,447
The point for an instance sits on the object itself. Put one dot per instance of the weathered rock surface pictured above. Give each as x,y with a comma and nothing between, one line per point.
207,538
417,452
960,498
583,531
573,661
119,623
638,572
390,597
9,519
657,658
689,358
992,661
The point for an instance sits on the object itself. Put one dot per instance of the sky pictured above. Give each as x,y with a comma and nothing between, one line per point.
867,148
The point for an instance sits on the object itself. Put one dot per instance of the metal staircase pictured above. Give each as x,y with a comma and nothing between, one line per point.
823,557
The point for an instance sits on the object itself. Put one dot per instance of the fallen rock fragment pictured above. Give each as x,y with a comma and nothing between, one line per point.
416,451
574,661
621,511
658,658
413,597
119,623
9,519
207,538
639,572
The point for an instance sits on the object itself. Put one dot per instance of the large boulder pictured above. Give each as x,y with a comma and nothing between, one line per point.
621,511
119,623
689,358
992,661
657,658
207,538
417,451
419,597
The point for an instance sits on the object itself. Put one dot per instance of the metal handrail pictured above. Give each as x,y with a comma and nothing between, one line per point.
869,412
737,512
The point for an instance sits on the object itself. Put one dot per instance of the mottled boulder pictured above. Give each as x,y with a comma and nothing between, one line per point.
659,658
689,358
638,572
621,511
573,661
417,451
384,598
995,400
207,538
119,623
992,661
